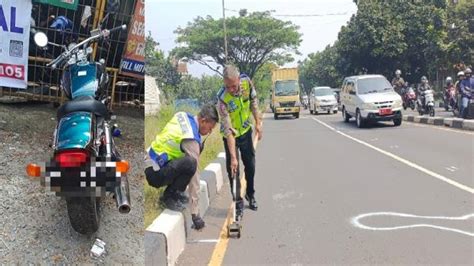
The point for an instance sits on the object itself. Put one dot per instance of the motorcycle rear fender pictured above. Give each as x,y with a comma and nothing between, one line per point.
75,131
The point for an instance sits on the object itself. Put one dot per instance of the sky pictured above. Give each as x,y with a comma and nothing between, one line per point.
162,17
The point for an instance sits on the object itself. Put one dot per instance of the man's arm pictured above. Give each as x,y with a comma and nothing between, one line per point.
228,134
191,148
255,111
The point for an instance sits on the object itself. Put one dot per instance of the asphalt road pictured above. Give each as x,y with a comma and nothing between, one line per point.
316,175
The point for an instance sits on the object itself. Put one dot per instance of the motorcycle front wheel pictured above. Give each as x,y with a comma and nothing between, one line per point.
84,214
432,111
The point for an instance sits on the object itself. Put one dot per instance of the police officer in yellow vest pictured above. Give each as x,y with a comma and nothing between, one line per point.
236,102
173,159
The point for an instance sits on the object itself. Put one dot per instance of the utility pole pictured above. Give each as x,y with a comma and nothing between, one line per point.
225,32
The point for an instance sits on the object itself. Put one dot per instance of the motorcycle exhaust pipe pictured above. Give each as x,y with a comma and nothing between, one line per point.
122,195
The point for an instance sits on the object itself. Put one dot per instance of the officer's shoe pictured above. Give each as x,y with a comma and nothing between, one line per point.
239,210
181,197
169,202
198,222
252,202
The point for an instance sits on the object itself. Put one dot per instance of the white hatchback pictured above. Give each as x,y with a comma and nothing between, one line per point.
322,99
370,98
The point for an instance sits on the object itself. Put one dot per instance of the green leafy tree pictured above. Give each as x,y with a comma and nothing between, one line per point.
384,36
460,38
161,67
253,40
262,81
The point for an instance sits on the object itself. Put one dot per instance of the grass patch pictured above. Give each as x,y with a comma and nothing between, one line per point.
153,125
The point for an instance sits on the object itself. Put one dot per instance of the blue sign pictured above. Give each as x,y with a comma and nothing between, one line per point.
132,67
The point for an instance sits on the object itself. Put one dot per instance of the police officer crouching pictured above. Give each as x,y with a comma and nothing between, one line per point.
173,159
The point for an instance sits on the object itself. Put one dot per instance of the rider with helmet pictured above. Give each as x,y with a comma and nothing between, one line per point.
466,89
424,86
398,82
460,77
448,89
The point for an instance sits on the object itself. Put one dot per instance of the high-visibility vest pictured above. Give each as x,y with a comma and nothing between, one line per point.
167,144
238,107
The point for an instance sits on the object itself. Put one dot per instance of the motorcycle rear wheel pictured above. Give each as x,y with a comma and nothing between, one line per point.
84,214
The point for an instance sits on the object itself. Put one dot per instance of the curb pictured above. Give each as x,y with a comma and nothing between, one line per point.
165,238
441,121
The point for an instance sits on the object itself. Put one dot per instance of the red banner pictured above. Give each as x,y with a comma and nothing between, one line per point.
133,61
12,71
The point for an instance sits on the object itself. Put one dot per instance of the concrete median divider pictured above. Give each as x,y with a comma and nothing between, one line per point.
441,121
165,238
468,124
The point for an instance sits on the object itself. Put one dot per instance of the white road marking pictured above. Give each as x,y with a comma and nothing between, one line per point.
356,222
451,168
411,164
203,241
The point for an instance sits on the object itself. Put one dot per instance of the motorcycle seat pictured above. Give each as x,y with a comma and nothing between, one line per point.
83,104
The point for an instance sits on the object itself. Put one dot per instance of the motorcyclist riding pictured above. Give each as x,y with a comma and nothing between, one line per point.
460,77
467,86
398,82
424,86
449,97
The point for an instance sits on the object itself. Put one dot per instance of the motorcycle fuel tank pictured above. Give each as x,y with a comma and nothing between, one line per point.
84,80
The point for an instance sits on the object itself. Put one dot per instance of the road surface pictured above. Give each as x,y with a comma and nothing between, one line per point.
326,189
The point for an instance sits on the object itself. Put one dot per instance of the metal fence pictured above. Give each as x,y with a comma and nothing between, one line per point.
43,82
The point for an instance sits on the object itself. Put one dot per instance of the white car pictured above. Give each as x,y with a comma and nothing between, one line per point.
322,99
370,98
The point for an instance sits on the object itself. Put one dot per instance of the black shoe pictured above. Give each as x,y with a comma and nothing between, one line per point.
198,222
181,197
252,202
172,204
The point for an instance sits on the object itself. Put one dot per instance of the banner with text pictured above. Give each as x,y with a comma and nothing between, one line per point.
69,4
15,31
133,61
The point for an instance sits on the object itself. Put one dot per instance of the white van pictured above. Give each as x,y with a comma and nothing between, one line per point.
370,98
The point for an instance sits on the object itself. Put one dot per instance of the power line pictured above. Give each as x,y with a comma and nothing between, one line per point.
298,15
313,15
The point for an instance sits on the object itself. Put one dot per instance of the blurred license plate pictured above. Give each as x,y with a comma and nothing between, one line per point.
385,111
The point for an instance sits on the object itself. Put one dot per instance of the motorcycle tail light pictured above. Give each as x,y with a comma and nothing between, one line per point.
71,158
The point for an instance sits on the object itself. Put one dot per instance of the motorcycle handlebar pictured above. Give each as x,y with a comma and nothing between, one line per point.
121,27
66,54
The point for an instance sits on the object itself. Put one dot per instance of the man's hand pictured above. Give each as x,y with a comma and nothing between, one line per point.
259,130
234,163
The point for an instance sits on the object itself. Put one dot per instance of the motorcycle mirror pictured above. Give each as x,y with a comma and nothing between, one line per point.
41,39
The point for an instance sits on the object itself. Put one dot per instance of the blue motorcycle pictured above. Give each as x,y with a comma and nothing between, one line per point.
85,165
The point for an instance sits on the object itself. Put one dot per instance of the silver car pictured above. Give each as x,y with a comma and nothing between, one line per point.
322,99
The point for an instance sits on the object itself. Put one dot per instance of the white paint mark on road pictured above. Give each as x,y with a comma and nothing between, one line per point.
394,147
357,223
452,168
281,196
411,164
203,241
